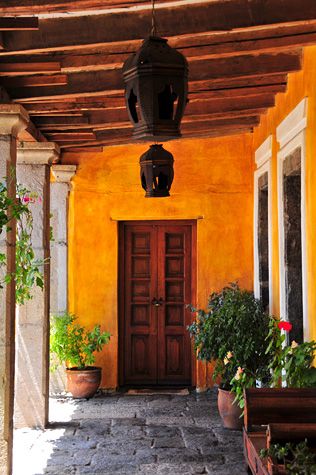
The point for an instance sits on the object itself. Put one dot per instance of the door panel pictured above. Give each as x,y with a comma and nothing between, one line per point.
174,287
140,322
156,277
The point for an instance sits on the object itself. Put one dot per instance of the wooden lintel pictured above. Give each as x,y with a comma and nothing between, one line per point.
18,23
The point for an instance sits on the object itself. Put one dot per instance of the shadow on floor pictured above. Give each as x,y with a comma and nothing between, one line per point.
131,434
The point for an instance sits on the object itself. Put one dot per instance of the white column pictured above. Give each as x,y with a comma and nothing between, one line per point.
13,119
59,254
32,355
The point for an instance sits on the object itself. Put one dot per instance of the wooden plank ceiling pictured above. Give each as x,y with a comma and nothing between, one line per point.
62,60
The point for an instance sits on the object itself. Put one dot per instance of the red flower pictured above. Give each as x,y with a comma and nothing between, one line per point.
286,326
26,199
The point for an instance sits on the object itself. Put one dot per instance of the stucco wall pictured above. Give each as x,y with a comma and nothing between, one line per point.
300,85
213,181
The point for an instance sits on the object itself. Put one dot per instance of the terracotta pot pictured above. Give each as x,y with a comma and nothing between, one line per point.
83,383
230,412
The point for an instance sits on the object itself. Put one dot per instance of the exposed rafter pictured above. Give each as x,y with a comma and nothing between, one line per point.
66,68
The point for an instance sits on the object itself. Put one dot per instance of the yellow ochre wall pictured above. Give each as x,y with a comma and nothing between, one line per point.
300,85
213,181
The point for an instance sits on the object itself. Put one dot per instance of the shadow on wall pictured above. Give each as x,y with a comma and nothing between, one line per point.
57,381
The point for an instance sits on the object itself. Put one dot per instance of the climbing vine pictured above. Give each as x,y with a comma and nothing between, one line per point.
29,270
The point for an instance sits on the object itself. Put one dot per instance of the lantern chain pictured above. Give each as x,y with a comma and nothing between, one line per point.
153,20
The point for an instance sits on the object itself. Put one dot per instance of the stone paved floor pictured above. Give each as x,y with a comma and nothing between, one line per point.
123,434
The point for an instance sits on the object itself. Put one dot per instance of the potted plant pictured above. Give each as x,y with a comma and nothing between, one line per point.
290,459
233,333
291,365
73,345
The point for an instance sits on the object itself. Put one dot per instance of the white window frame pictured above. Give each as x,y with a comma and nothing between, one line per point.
263,157
291,134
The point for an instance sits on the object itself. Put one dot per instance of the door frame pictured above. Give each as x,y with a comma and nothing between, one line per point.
121,291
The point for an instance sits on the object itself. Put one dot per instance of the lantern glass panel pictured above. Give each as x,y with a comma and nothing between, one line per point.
132,105
166,100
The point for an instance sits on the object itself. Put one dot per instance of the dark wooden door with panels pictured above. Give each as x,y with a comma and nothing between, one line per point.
156,281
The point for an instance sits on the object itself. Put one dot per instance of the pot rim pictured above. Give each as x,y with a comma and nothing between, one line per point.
87,369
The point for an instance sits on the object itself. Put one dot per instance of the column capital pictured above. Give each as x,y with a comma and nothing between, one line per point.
63,173
38,153
13,119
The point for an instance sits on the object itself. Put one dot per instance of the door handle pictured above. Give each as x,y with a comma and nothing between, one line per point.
157,303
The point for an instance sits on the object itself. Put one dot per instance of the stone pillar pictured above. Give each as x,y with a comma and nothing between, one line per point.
59,254
32,355
13,118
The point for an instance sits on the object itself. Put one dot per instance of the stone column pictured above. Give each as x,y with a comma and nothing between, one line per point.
32,355
13,118
59,254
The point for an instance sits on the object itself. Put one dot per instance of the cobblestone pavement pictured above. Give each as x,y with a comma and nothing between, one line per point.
123,434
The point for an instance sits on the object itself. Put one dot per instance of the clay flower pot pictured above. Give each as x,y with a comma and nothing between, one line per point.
229,411
83,383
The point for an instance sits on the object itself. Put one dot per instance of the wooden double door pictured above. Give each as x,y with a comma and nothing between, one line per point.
156,283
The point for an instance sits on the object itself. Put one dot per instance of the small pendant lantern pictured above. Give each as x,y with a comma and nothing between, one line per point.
156,89
156,171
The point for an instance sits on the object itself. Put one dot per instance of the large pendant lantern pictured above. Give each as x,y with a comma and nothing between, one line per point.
156,89
156,171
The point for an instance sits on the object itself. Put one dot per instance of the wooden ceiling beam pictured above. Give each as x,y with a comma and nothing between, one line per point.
237,92
86,149
210,106
49,121
172,21
19,23
100,61
21,69
243,67
17,7
218,132
238,82
55,107
117,103
74,63
70,136
231,114
86,55
226,104
34,81
236,48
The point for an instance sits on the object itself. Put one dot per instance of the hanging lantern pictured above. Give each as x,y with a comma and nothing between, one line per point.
156,89
156,171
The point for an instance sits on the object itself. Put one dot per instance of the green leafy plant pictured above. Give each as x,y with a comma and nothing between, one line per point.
298,459
291,365
73,344
232,333
29,270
